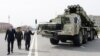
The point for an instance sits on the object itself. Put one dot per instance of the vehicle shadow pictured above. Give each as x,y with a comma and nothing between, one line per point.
91,46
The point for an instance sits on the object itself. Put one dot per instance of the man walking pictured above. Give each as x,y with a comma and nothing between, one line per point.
19,37
10,36
27,37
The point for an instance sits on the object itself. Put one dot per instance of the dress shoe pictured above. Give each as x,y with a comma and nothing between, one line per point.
11,51
8,53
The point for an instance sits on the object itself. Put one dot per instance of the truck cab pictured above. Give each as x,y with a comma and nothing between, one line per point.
62,25
71,25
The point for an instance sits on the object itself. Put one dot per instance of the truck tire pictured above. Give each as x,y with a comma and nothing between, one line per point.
85,38
78,39
91,36
54,41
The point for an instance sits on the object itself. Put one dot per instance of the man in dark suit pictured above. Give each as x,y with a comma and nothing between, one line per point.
27,37
19,36
10,36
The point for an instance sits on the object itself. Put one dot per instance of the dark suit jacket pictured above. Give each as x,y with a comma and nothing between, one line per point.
27,35
10,35
19,35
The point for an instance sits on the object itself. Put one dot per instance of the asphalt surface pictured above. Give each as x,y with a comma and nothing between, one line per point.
45,48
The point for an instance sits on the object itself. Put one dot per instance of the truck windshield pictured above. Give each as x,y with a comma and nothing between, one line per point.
65,20
58,20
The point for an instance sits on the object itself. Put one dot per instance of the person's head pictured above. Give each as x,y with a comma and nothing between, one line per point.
10,28
18,29
27,29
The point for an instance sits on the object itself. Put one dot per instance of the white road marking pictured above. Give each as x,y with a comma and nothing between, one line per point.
36,46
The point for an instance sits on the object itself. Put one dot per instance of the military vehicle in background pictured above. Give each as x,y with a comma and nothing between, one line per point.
74,25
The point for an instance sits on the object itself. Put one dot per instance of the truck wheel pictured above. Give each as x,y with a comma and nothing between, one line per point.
91,36
78,39
85,38
89,39
54,41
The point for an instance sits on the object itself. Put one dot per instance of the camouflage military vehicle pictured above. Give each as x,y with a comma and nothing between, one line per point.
74,25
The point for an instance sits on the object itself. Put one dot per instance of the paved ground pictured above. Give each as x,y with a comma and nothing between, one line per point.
45,48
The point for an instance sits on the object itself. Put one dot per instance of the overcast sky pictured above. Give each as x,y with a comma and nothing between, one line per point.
24,12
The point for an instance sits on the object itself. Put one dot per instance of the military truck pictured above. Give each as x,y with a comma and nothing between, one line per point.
74,25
